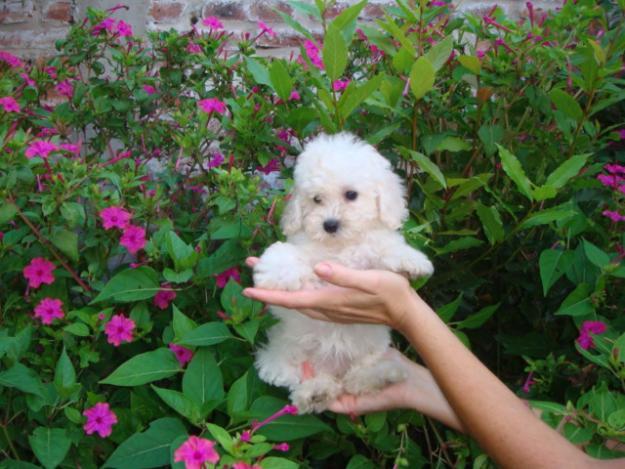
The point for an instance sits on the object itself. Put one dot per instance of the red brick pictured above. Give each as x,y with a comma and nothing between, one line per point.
59,11
163,11
225,10
16,11
265,11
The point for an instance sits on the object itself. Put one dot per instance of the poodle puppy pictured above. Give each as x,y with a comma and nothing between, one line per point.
347,206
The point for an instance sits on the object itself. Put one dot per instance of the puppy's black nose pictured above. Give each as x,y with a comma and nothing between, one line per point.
331,225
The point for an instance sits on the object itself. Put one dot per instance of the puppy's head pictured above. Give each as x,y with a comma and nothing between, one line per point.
343,188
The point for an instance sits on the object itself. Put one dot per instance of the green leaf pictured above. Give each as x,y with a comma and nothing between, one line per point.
259,71
67,242
210,333
471,63
355,95
229,254
460,244
182,324
421,77
177,277
577,303
273,462
221,435
567,170
183,255
22,378
149,448
514,170
50,445
452,144
202,381
346,20
144,368
553,263
78,328
130,285
476,320
281,81
491,222
375,421
64,374
358,461
7,212
440,52
294,24
566,104
334,53
618,349
428,166
490,134
237,396
447,311
545,217
182,404
235,303
595,255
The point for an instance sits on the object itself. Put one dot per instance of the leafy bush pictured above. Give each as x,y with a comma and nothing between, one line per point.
135,177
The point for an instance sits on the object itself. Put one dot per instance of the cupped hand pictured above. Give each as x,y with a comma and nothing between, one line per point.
352,296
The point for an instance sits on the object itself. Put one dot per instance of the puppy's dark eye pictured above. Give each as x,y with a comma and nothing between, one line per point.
317,199
351,195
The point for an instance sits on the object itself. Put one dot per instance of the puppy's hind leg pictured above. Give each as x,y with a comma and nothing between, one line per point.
277,367
373,373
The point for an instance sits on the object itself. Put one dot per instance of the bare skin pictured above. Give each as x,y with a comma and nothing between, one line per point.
456,388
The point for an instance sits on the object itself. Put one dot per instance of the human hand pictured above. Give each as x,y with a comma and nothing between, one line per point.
353,296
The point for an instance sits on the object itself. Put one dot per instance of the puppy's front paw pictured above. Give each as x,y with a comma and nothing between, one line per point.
314,395
413,262
280,268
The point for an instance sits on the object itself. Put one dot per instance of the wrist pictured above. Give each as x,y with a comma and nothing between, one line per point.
407,309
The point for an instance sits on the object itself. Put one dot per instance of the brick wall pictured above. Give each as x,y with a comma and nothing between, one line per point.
28,28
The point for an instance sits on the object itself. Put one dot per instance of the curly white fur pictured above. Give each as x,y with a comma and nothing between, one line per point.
345,358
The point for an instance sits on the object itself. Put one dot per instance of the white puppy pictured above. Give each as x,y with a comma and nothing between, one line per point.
347,206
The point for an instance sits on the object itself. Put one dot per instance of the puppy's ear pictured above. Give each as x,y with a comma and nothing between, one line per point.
291,221
391,199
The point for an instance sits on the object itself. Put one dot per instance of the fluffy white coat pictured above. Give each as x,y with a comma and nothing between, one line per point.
323,220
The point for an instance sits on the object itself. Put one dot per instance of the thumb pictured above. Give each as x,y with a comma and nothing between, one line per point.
342,276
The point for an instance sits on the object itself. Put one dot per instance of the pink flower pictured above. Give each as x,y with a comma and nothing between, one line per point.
340,85
437,3
133,238
585,339
272,166
164,296
312,51
231,273
65,88
244,465
100,420
621,134
212,105
29,81
246,436
266,29
39,271
9,104
49,309
615,168
71,148
115,217
614,216
51,71
195,452
610,180
286,410
10,60
183,354
294,96
40,148
284,447
213,23
119,329
193,48
529,382
108,24
216,160
124,29
47,132
149,89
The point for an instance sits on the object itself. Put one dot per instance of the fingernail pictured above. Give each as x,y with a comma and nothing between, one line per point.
246,292
323,269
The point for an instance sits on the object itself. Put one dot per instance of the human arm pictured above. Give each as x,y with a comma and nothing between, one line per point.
503,425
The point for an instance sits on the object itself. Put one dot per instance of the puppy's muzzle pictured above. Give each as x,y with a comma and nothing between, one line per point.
331,225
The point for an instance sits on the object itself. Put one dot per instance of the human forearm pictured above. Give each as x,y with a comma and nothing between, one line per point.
490,412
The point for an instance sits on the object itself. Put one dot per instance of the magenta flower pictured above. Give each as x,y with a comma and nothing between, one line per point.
29,81
437,3
231,273
212,105
266,29
246,436
621,133
195,452
115,217
49,309
39,271
286,410
51,71
164,296
183,354
529,382
284,447
271,167
71,148
216,160
244,465
312,51
100,420
149,89
294,96
213,23
65,88
40,148
119,329
133,238
10,60
614,216
9,104
193,48
124,29
610,180
615,168
585,339
340,85
108,24
47,132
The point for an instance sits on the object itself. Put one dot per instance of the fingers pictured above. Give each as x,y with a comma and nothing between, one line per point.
251,261
346,277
